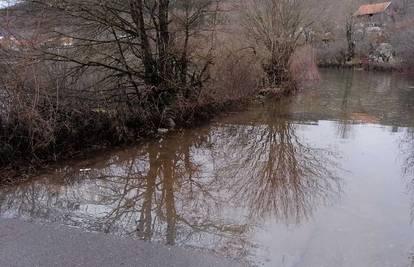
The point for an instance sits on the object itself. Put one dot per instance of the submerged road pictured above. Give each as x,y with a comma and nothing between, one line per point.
32,244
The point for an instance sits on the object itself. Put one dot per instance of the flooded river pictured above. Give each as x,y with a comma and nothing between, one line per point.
325,178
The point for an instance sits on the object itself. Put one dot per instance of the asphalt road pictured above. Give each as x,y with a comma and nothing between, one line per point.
33,244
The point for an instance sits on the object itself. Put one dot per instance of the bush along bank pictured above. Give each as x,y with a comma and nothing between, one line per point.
105,80
24,148
30,142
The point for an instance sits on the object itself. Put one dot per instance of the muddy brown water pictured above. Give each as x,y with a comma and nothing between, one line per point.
325,178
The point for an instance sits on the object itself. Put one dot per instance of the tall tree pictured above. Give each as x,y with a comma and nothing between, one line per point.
146,48
276,27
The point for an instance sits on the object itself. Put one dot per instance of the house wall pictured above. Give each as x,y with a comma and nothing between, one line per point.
380,19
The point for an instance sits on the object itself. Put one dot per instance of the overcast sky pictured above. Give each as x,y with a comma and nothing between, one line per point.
5,3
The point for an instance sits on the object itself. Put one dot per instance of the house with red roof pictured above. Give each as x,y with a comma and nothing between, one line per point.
377,14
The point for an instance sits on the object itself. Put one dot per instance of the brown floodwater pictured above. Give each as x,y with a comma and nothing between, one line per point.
324,178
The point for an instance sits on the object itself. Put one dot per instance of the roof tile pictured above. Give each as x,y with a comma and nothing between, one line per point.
372,9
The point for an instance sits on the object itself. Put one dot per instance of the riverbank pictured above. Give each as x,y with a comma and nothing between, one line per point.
100,133
363,66
34,244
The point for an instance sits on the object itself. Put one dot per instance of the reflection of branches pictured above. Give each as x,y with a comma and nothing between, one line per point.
180,189
344,125
157,192
275,173
407,151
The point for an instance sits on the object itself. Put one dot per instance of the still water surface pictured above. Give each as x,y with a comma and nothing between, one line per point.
325,178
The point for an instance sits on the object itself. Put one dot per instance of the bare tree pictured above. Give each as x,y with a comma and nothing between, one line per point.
276,28
148,50
71,68
403,42
402,33
350,40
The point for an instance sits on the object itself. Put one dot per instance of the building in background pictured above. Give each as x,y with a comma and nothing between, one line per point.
379,14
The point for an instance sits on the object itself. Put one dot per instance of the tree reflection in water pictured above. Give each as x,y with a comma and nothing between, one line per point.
344,124
207,187
407,154
274,173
